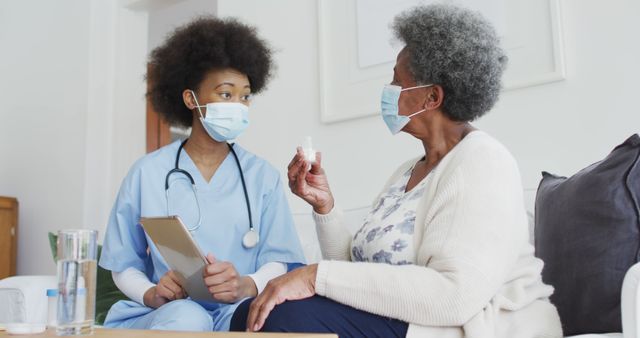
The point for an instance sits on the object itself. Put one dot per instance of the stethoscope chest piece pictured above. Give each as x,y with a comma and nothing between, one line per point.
250,239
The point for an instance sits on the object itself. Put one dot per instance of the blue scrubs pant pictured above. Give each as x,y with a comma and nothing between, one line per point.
177,315
322,315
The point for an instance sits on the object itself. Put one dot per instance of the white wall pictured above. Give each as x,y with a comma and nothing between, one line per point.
43,104
559,127
72,112
165,16
116,107
565,126
72,108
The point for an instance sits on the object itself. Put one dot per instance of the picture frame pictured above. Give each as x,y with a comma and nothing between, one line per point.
530,31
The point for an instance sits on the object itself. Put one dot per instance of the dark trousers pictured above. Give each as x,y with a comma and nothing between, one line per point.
322,315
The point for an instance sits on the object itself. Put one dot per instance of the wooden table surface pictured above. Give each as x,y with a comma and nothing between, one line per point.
120,333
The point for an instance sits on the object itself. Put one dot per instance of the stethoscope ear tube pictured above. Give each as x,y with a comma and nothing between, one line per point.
251,237
177,170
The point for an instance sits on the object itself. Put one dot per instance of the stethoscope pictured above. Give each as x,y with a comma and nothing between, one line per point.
251,237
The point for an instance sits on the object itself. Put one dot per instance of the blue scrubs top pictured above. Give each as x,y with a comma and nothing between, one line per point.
224,219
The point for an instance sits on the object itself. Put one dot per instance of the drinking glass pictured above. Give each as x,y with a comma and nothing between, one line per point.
77,266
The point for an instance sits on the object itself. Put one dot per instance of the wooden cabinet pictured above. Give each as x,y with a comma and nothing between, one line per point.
8,236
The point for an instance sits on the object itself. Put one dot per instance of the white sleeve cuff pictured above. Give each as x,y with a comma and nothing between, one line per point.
133,283
266,273
330,217
321,278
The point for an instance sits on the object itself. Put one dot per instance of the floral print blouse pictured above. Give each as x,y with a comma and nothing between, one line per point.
387,233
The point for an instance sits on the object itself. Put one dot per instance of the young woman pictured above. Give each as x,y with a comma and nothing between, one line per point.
231,201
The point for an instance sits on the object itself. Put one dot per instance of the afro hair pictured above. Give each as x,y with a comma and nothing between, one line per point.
193,50
457,49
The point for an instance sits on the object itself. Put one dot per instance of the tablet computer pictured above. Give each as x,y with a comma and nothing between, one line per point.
181,253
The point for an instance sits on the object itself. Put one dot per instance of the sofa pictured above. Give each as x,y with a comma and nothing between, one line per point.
27,294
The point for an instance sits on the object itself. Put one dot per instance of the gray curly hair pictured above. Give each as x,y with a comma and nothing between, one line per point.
457,49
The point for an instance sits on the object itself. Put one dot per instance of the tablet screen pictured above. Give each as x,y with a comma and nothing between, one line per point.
180,251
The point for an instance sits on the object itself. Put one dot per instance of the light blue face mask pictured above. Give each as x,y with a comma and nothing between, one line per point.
389,106
224,121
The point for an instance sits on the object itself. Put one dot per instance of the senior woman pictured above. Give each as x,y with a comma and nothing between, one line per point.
444,250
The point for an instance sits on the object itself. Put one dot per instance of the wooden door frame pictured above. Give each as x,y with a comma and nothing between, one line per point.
158,131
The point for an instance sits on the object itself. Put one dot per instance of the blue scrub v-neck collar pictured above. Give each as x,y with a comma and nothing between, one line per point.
187,164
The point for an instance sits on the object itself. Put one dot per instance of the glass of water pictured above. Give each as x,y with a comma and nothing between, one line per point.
77,266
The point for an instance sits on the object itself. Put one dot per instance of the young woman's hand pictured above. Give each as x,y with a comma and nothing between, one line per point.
224,282
168,288
310,185
297,284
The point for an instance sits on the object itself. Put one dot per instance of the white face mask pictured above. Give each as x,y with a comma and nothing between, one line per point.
223,121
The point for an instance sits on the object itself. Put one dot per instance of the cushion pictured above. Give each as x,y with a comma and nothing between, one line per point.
587,233
107,293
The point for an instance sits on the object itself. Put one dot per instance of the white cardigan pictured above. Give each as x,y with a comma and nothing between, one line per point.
475,275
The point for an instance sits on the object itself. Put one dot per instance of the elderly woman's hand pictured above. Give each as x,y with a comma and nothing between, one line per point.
310,185
297,284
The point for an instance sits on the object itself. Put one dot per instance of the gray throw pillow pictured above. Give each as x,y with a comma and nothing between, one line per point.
587,232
